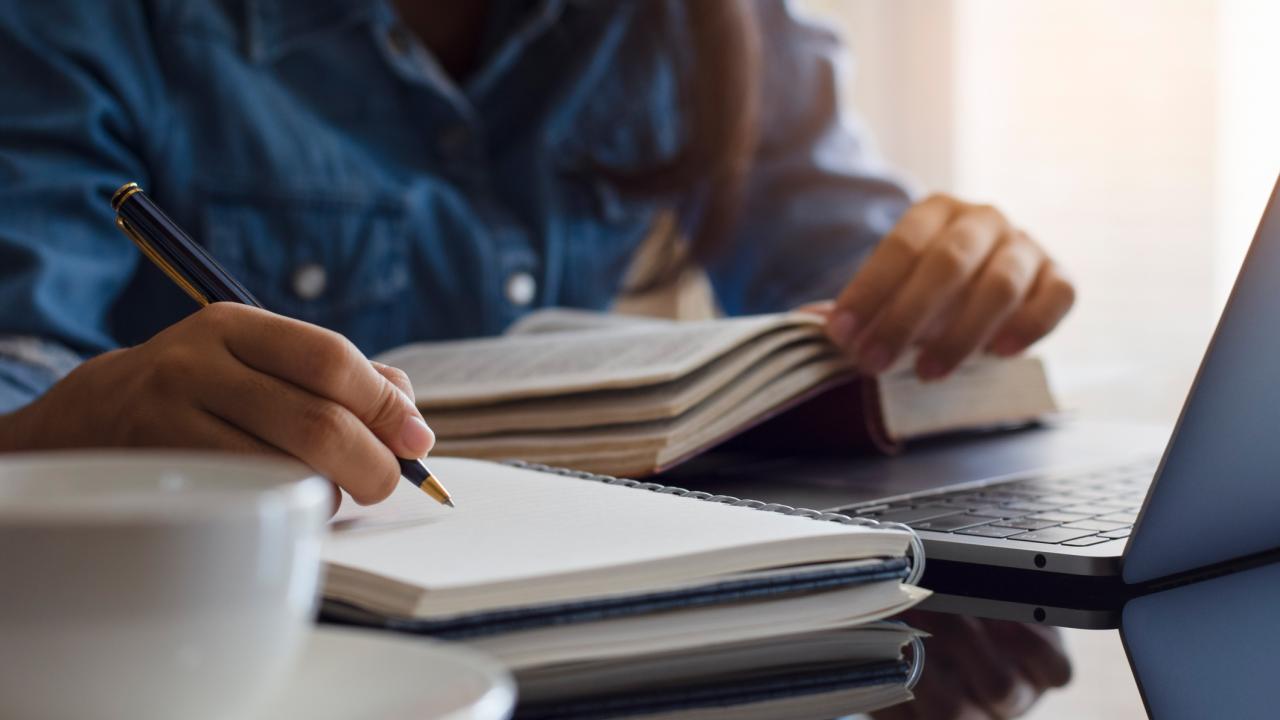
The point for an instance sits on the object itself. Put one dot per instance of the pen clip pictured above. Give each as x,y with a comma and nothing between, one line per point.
160,262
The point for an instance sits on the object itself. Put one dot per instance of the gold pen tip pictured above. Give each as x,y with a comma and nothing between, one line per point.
449,503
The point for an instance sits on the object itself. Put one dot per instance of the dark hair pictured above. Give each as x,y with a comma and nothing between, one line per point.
721,101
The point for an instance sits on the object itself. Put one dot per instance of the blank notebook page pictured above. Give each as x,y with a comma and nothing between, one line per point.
542,537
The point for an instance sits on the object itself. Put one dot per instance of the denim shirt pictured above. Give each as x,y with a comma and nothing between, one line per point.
321,154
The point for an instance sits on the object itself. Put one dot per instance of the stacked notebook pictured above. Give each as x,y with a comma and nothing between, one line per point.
629,396
662,602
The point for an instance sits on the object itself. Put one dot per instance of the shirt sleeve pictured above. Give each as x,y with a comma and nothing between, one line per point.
74,75
816,200
28,366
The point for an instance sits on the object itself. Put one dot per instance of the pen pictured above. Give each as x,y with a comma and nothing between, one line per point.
200,276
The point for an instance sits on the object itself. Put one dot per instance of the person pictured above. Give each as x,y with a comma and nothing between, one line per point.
379,173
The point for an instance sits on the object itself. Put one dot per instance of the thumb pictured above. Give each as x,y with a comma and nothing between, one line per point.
406,431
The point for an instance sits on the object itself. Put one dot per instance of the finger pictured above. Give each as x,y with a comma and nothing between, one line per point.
397,377
937,280
998,291
1050,299
822,309
316,430
325,364
888,267
200,430
222,435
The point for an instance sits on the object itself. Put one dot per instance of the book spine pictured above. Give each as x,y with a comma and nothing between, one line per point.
917,546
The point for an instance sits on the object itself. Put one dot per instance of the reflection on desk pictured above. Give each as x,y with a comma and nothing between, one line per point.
817,675
970,668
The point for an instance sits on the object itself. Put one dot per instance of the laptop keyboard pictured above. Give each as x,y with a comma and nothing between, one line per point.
1076,510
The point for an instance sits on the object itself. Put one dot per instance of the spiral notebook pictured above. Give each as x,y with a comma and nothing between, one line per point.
569,566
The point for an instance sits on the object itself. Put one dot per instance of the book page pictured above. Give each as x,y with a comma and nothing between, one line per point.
770,383
982,393
487,370
630,405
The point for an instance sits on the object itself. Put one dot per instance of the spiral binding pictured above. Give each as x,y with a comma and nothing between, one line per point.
917,546
917,662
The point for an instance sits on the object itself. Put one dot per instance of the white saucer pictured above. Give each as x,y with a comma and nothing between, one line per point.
364,675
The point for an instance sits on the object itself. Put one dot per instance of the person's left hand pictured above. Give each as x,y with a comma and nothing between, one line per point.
953,278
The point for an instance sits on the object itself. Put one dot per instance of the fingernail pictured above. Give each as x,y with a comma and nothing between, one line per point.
416,436
1006,346
930,369
875,360
842,327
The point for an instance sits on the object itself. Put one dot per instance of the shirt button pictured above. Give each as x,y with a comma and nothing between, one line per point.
309,281
521,287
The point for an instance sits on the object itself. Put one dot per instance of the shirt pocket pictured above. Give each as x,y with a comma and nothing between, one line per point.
604,225
338,262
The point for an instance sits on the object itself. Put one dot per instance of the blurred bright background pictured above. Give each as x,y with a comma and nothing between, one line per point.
1137,139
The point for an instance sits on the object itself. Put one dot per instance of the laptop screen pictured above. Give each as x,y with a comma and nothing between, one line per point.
1217,493
1207,650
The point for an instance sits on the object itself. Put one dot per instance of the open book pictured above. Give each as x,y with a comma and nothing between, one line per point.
630,396
543,570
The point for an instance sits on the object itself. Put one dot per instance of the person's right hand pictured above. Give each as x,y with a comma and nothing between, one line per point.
233,377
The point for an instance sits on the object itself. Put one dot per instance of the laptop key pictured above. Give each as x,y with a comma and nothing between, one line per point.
994,511
1053,535
1091,510
1093,494
1117,534
1095,525
1060,499
1059,516
1086,541
1026,524
1033,486
1124,517
990,531
924,512
950,523
1029,506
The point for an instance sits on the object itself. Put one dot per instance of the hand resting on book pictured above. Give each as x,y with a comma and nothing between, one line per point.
954,278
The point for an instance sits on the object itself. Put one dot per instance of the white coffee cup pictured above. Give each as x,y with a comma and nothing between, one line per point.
153,584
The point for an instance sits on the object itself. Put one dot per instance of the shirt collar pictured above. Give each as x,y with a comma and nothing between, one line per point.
277,26
274,27
517,23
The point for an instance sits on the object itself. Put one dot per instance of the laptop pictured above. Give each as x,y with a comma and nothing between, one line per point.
1210,497
1207,649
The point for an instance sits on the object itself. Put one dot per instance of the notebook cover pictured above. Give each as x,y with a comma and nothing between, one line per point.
537,616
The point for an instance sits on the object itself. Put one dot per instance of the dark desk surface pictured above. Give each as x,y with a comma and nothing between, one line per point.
1103,685
830,482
